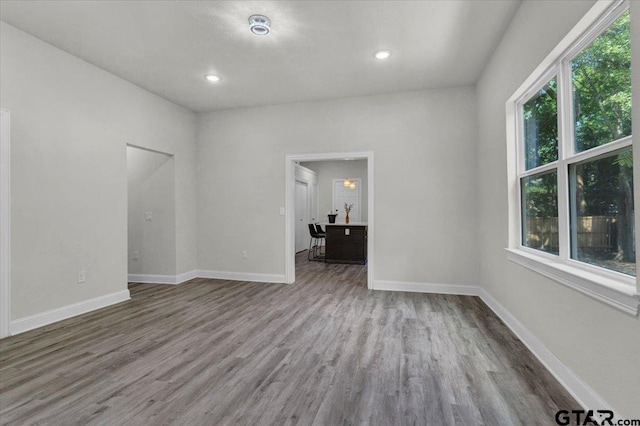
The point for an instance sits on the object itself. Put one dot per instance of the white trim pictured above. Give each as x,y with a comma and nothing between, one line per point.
45,318
303,168
463,290
151,279
186,276
242,276
617,291
218,275
565,143
289,234
5,222
162,279
580,391
545,168
601,151
370,215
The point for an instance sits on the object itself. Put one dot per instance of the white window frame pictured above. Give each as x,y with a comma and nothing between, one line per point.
616,289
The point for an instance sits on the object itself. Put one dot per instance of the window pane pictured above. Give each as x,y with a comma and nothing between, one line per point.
602,224
602,88
540,211
541,127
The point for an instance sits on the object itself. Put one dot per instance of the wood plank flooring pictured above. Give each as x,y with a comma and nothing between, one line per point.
324,351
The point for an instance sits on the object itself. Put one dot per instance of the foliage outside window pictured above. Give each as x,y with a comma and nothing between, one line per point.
540,211
601,77
576,168
541,126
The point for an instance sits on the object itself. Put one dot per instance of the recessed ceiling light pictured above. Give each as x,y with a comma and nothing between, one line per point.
382,54
259,25
212,78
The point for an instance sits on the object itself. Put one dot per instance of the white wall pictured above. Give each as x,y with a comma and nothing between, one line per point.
70,124
419,225
150,189
597,342
330,170
5,228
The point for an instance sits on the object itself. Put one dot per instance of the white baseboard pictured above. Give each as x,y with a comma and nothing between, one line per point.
151,279
581,392
242,276
220,275
40,320
186,276
466,290
162,279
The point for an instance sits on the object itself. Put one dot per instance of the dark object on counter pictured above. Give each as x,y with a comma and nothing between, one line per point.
346,244
332,218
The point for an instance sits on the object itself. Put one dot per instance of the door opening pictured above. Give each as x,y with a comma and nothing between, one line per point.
151,219
291,162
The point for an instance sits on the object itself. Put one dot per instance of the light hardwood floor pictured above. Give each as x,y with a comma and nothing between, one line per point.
323,351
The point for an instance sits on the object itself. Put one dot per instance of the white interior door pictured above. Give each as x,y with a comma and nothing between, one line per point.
342,195
314,203
302,230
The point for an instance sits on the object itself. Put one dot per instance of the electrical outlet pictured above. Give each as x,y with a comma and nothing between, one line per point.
136,255
81,277
245,255
281,211
148,216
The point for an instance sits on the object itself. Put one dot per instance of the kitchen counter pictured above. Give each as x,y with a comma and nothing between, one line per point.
346,243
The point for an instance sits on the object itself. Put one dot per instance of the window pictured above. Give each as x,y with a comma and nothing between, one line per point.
601,217
575,158
540,211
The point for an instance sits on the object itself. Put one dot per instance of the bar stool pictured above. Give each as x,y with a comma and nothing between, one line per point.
315,243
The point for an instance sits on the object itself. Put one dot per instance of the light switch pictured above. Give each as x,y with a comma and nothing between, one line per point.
148,216
281,211
347,231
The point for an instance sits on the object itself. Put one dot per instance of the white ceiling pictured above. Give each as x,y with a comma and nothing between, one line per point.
316,50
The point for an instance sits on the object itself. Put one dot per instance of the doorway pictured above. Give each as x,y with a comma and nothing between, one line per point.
151,219
290,207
